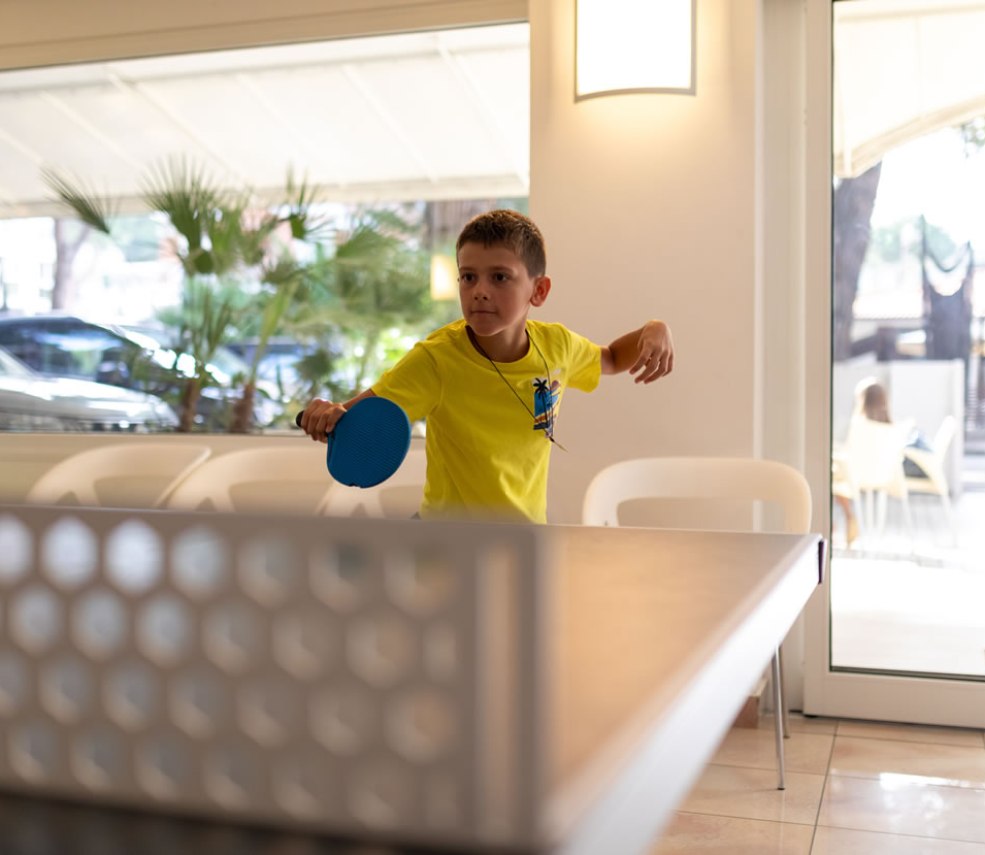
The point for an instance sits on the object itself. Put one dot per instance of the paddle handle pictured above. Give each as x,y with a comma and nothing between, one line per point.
297,421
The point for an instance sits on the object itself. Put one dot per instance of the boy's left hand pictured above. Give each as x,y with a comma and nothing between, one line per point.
655,353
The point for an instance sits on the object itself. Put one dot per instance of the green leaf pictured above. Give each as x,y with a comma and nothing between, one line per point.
304,224
187,196
90,208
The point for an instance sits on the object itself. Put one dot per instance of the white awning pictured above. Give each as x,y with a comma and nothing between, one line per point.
413,116
903,68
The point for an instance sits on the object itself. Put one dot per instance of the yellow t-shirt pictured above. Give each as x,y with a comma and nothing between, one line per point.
486,447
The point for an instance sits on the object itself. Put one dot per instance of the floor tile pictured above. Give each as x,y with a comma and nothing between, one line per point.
954,765
804,752
694,834
911,733
898,806
843,841
739,791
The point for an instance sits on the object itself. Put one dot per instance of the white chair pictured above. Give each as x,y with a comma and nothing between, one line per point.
121,474
874,462
716,478
290,479
397,497
932,463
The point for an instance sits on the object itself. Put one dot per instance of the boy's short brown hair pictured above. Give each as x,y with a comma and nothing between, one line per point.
511,229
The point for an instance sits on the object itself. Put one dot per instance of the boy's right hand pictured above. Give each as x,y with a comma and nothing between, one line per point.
320,417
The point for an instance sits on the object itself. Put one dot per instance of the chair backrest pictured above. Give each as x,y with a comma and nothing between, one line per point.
945,434
699,478
934,478
288,479
123,474
874,454
398,497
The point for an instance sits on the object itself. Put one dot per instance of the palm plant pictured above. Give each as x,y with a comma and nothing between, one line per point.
282,279
373,284
207,312
220,240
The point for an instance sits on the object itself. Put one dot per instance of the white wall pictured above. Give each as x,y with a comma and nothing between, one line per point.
695,210
710,212
648,208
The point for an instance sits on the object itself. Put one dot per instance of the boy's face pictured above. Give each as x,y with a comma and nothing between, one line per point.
495,289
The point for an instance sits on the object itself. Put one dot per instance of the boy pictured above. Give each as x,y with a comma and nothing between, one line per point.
490,384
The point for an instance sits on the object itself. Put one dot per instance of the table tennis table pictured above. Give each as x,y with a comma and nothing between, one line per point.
405,686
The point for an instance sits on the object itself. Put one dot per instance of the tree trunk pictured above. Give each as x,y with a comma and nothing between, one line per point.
948,313
243,410
189,404
854,199
63,289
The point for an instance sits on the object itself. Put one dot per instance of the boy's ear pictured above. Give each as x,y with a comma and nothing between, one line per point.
542,287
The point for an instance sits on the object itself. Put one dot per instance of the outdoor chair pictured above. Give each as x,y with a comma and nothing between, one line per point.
284,479
123,474
397,497
874,463
932,463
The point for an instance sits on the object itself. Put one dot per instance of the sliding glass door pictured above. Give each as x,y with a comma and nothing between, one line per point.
906,624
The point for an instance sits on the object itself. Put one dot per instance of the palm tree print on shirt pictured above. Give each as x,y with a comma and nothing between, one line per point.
545,402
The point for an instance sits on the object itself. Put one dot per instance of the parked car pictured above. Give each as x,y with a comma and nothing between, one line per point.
133,358
278,365
31,402
228,368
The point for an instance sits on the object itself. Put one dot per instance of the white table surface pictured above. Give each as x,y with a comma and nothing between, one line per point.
660,636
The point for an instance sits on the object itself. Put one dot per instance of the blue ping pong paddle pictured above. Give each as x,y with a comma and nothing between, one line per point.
368,443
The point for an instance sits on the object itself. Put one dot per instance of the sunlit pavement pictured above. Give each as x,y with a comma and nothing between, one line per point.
911,599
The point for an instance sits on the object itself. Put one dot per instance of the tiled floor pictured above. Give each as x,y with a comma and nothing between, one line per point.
853,788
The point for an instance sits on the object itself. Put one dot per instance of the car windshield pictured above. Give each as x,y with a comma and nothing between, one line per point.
225,360
156,338
11,366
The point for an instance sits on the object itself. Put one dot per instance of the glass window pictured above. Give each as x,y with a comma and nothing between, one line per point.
256,225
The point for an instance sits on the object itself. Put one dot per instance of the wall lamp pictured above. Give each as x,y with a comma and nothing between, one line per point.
444,277
634,46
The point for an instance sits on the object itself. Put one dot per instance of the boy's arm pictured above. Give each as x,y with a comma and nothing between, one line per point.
320,416
648,351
